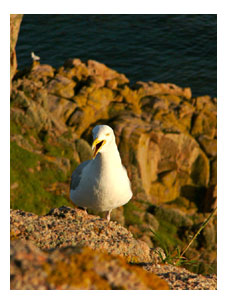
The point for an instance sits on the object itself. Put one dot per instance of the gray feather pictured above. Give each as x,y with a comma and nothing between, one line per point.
76,175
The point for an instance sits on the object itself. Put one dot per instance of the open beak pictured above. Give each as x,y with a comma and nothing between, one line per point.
96,146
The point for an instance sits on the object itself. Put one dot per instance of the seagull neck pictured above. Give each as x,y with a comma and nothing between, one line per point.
110,155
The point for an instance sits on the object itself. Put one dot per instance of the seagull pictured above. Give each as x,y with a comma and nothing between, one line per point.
101,183
34,57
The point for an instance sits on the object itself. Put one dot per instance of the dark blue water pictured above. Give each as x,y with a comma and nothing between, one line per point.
180,49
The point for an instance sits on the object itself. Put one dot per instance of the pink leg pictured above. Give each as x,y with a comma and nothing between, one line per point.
108,215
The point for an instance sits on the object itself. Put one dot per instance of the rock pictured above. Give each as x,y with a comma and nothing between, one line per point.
204,123
213,172
75,268
79,229
210,199
41,71
148,156
209,145
20,100
203,103
76,117
153,88
185,113
61,108
78,266
132,98
36,117
97,68
200,170
15,22
74,69
181,279
61,86
100,98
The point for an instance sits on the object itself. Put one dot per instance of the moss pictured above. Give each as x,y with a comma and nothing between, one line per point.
181,203
53,150
14,128
166,236
31,194
130,214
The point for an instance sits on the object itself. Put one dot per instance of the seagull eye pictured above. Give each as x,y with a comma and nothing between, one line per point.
107,134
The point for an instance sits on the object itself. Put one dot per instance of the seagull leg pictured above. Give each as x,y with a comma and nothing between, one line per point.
108,215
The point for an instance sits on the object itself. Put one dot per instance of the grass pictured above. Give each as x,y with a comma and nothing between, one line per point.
176,257
30,192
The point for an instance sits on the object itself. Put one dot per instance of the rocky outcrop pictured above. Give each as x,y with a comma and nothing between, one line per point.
15,22
68,249
167,140
65,226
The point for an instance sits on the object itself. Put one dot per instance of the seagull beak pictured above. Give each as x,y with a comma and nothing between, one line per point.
96,146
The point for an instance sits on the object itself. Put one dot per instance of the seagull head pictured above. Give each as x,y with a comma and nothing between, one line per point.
103,137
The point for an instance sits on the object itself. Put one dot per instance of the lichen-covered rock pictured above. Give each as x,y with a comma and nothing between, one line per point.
97,68
209,145
76,268
153,88
60,108
204,123
41,71
61,86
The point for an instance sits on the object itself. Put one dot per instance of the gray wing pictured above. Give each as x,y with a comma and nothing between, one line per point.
76,175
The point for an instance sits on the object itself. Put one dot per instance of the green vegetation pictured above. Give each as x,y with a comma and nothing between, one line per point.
131,214
30,175
168,238
14,128
173,253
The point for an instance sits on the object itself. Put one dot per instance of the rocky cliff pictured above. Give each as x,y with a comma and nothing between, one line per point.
168,143
167,140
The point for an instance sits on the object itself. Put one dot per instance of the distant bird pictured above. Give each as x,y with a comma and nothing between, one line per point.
102,183
34,57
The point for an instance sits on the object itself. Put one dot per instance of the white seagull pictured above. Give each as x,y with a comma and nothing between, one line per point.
101,183
35,57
